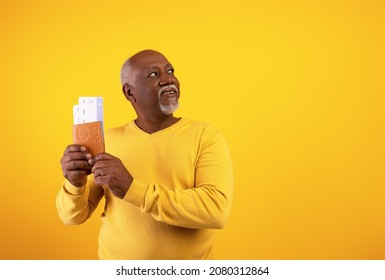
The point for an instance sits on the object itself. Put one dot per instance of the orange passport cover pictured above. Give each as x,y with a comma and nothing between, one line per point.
89,135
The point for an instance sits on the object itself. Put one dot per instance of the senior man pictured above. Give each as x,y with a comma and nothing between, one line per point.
167,181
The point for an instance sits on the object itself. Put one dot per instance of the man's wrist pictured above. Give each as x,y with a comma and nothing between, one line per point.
74,190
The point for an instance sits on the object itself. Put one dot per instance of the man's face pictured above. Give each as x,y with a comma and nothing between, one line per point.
155,87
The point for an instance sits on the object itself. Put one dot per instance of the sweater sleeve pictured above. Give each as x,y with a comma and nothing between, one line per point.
206,205
76,205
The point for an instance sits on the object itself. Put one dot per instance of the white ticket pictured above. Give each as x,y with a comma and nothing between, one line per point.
89,109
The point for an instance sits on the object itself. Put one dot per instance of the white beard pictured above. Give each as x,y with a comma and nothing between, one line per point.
169,109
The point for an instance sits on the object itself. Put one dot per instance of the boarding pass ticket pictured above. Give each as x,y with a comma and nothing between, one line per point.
89,109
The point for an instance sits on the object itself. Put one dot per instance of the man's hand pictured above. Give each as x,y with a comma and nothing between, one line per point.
110,171
75,166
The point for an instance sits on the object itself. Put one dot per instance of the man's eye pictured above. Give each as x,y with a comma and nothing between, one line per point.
153,74
171,71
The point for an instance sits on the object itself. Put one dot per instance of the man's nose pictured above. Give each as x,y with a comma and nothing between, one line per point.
166,79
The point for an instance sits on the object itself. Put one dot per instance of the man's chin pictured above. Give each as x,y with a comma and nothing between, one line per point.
169,109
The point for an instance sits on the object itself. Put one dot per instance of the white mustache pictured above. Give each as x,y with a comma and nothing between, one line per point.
167,88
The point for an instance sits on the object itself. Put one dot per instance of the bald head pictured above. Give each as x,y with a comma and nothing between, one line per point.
136,61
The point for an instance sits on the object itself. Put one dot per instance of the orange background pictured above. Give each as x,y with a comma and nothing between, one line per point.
297,87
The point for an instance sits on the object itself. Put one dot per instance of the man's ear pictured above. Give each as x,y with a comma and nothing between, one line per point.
127,91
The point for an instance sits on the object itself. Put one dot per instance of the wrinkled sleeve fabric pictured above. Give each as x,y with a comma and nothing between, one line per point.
207,204
75,205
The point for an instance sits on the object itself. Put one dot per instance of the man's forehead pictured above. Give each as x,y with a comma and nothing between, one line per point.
149,59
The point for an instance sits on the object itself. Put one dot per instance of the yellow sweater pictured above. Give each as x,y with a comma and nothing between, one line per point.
181,193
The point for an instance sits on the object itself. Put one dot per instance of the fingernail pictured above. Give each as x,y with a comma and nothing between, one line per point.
88,156
83,149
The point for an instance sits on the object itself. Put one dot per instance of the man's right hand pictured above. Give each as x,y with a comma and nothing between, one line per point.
75,166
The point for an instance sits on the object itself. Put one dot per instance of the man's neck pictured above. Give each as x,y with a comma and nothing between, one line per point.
153,125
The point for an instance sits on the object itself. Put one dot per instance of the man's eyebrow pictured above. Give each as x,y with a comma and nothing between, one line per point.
150,68
156,67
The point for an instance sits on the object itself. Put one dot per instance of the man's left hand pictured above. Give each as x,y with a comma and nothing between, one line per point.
110,171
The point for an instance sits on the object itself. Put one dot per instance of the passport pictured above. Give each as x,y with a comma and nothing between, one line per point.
88,124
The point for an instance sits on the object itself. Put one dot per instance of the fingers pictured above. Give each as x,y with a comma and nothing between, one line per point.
101,158
100,165
102,172
103,181
75,156
75,153
103,167
74,148
76,173
75,164
99,170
